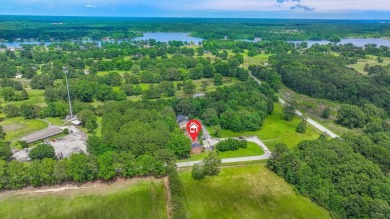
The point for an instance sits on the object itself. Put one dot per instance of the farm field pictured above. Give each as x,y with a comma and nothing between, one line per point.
277,130
124,199
246,192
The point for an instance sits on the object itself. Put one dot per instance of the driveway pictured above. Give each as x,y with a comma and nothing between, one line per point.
254,139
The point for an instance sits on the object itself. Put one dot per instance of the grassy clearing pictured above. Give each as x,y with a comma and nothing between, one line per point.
36,97
56,121
252,150
246,192
99,128
255,60
314,107
371,60
19,127
140,199
277,130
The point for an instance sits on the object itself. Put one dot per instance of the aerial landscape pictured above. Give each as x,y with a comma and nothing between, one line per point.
195,109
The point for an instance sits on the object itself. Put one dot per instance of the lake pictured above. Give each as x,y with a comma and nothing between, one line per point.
166,37
185,37
355,41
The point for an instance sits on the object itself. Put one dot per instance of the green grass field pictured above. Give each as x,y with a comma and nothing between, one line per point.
36,97
246,192
140,199
371,61
19,127
277,130
252,150
56,121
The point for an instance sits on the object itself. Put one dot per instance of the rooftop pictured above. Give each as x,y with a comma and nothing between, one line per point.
43,134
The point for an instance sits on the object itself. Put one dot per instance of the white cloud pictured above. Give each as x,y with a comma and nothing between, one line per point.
277,5
90,6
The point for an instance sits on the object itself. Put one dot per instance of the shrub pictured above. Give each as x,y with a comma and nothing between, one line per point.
42,151
231,145
23,144
302,126
326,113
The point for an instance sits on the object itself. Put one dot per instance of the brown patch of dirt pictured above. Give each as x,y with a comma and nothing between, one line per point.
168,197
12,127
101,187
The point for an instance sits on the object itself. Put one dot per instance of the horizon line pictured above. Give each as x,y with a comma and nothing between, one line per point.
251,18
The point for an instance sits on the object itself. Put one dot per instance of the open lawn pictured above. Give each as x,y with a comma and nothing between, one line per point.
371,61
277,130
255,60
246,192
56,121
19,127
252,150
129,199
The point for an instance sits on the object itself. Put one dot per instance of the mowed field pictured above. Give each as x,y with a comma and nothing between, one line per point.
125,199
277,130
246,192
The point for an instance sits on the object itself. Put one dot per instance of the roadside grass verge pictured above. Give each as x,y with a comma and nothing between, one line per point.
250,191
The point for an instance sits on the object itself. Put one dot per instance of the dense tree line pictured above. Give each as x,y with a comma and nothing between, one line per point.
334,176
66,28
327,77
141,127
240,107
80,168
177,193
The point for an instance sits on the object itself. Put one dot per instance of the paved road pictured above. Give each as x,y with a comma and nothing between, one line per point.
254,139
309,120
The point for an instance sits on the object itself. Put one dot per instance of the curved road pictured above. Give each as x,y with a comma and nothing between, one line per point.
309,120
211,141
254,139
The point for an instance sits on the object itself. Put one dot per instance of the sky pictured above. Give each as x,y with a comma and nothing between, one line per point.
318,9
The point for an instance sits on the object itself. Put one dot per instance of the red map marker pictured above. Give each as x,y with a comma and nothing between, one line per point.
193,128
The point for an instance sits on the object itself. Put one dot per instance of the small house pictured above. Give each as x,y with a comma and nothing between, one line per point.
196,148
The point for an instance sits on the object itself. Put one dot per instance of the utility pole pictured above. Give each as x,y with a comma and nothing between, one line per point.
66,72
